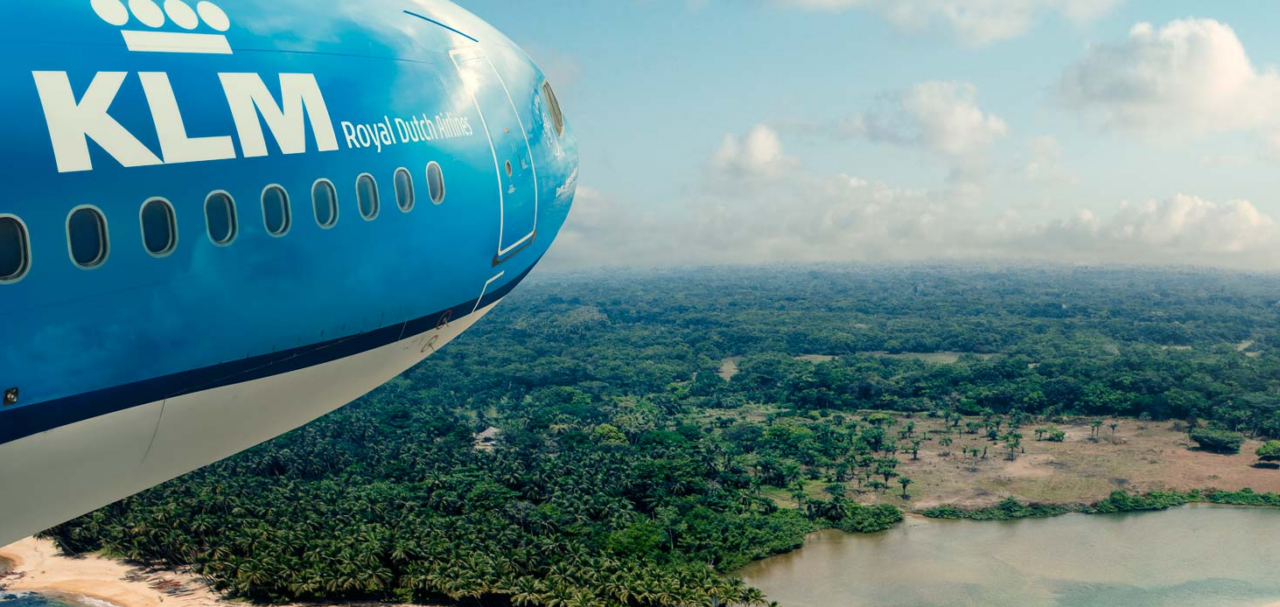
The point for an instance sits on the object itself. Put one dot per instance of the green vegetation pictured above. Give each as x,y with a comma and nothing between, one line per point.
1117,502
1245,497
1009,509
628,472
1051,434
1269,452
1122,501
1218,440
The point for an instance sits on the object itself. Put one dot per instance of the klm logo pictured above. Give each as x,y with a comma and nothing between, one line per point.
149,14
74,121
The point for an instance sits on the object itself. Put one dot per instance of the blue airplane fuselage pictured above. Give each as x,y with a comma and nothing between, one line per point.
236,216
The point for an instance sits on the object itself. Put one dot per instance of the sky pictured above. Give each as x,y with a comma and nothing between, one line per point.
1067,131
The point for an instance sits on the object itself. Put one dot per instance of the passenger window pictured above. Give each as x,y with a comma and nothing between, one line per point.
404,190
435,182
220,217
159,227
15,250
324,197
367,196
87,237
276,213
553,105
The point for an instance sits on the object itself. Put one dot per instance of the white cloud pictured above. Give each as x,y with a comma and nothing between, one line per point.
947,119
940,117
975,22
1190,76
1188,223
756,205
1179,230
1044,163
759,151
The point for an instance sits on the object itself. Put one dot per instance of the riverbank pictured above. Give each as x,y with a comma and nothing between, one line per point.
1195,555
1085,467
1118,502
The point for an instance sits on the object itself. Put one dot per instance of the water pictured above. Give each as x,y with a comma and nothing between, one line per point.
31,599
1193,556
27,599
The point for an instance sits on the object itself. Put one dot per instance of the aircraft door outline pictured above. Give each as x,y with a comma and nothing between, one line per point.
512,155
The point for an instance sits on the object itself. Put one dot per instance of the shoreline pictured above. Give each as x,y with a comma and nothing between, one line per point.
39,567
36,566
93,580
1006,562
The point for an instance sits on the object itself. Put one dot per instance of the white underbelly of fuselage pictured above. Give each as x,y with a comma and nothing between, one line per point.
63,473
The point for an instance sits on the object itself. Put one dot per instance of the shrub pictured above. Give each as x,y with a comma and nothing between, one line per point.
1269,452
1121,501
870,519
1245,497
1009,509
1218,441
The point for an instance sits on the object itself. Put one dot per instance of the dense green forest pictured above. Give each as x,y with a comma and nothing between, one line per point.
617,476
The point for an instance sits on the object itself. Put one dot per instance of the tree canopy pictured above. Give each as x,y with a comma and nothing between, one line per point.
628,466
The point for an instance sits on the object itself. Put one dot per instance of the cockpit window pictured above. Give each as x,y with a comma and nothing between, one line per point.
553,105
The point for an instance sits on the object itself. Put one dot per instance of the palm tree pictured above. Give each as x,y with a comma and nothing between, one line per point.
905,482
945,443
754,597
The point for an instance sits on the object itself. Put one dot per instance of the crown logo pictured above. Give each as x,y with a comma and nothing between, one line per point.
149,14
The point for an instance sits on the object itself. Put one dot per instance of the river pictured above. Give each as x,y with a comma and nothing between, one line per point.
1202,556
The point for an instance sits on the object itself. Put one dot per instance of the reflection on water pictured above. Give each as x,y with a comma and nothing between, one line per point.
1201,556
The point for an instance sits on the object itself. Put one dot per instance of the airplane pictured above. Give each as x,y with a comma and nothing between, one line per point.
227,218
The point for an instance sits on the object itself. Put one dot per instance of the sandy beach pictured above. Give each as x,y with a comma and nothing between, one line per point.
39,567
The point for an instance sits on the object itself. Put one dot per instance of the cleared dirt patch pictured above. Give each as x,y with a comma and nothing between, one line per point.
1138,457
1031,466
816,359
941,358
729,367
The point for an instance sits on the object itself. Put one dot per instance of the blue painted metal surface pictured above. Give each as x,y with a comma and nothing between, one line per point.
112,104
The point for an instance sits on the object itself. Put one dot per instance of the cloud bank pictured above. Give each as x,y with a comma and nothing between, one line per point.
974,22
756,204
942,118
1189,77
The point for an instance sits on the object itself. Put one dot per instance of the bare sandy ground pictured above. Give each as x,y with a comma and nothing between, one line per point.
39,567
